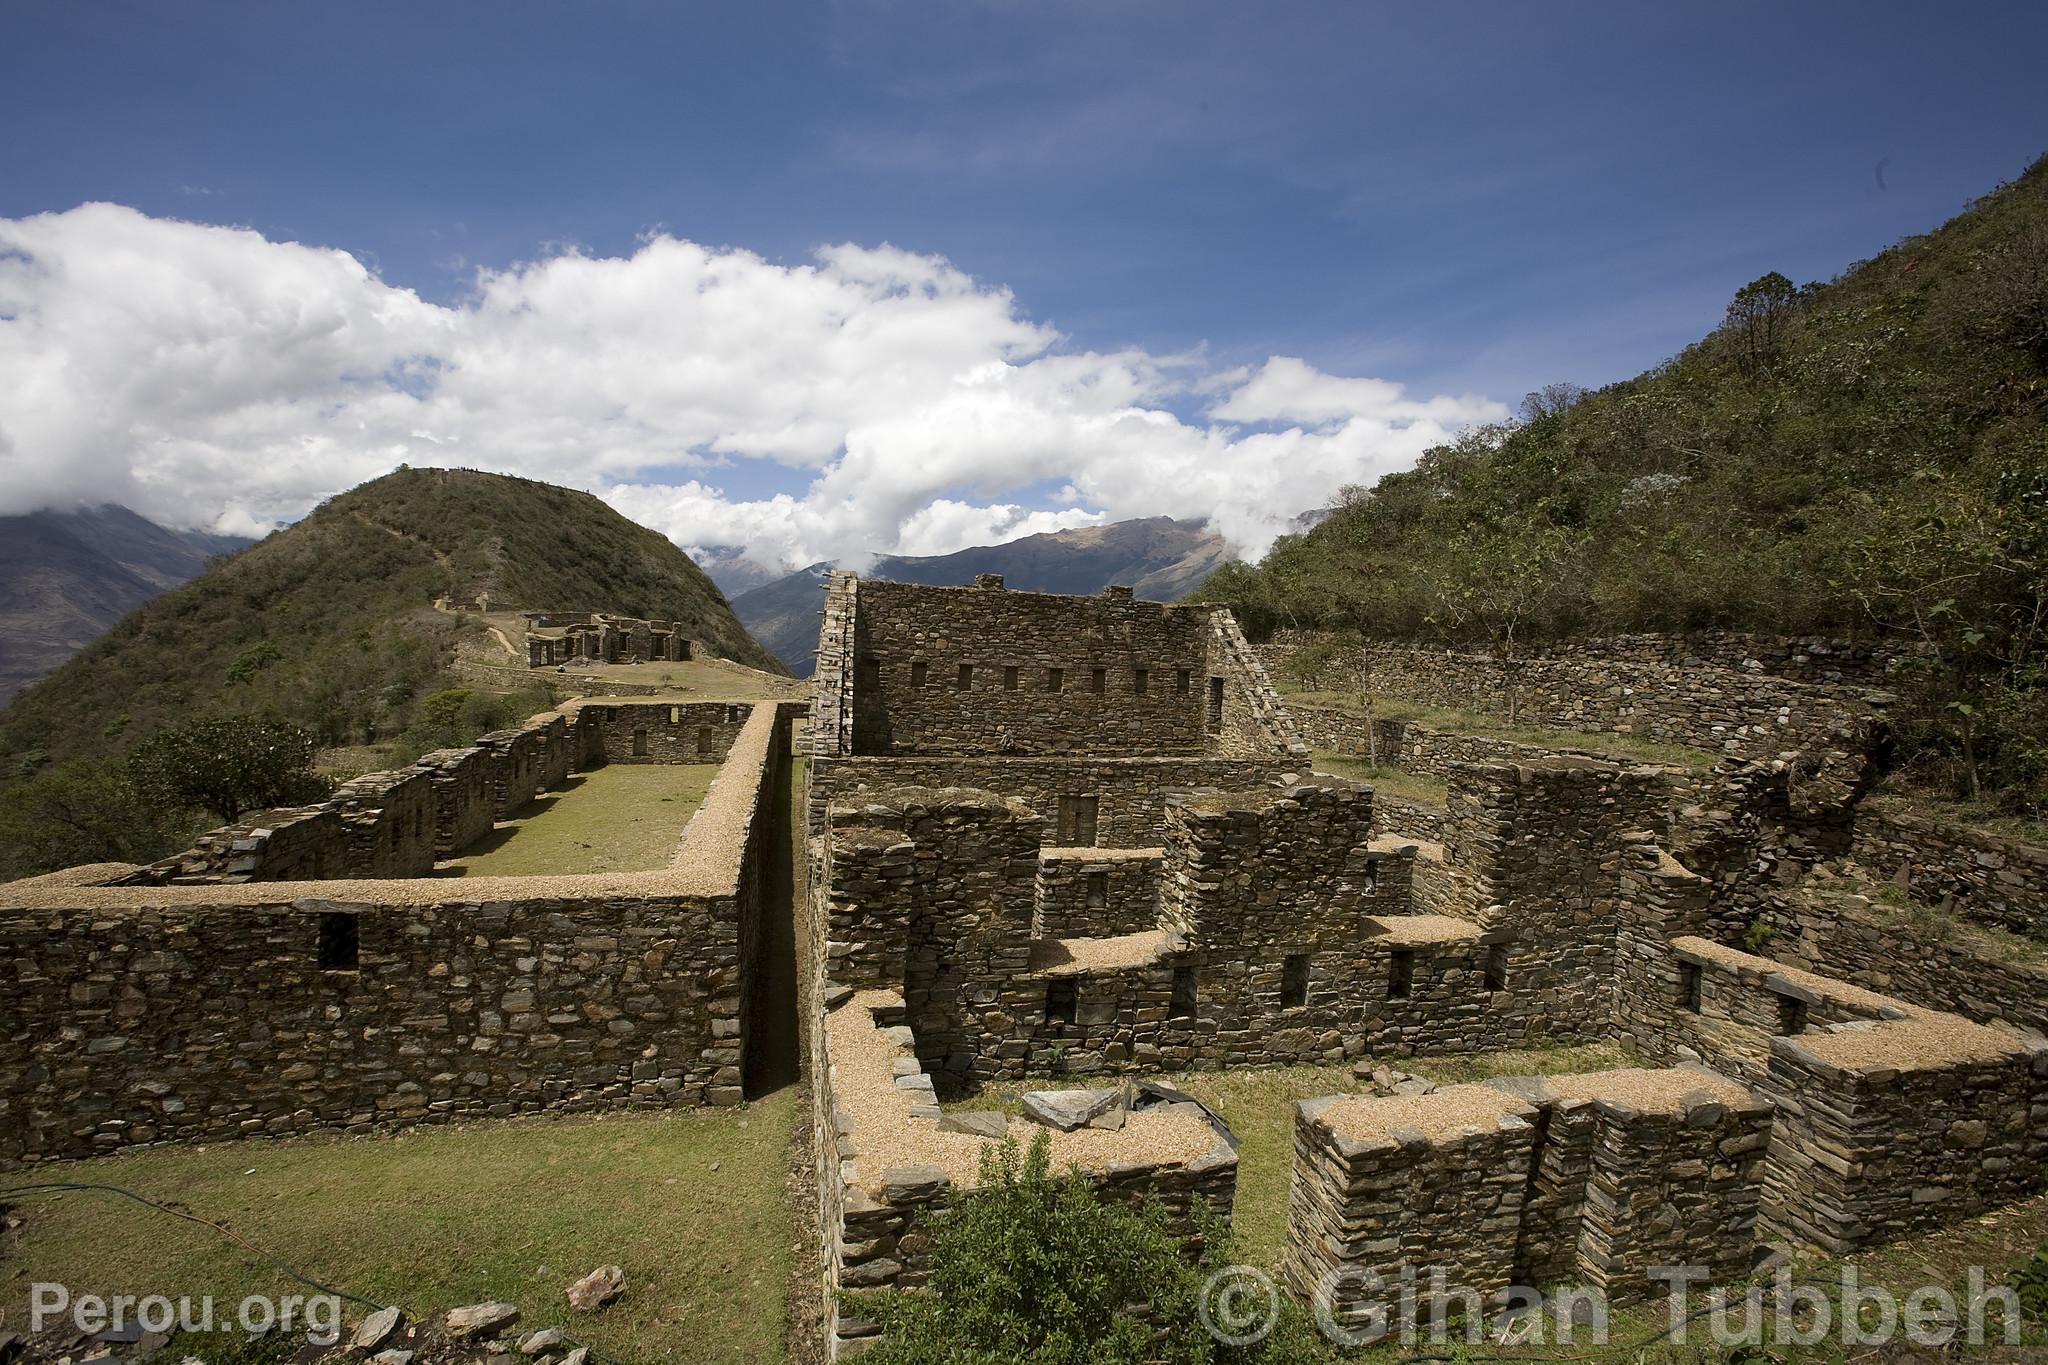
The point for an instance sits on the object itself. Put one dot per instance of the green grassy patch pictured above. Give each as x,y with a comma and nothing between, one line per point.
625,817
691,1204
1486,726
1259,1107
1416,787
1983,816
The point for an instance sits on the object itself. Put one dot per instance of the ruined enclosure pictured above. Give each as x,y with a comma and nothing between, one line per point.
300,971
1079,837
555,638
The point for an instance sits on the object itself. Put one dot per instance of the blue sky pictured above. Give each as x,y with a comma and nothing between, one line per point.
1460,199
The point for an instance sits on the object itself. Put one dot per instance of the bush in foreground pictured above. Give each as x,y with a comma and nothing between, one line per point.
1031,1266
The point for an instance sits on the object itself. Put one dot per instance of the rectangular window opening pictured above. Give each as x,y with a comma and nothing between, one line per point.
1098,680
1690,978
1215,704
705,742
1098,890
1791,1015
1185,985
868,671
1062,1001
1181,680
340,949
1496,969
1055,679
1010,678
1401,974
1294,981
639,741
1141,680
920,674
1077,821
965,678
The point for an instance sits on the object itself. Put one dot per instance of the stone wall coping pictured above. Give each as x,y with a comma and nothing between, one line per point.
1879,1051
1421,930
1101,855
706,865
1089,956
1456,1113
1676,1091
1771,975
886,1134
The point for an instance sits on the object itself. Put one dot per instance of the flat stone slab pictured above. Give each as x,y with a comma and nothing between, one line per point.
989,1124
1067,1110
481,1319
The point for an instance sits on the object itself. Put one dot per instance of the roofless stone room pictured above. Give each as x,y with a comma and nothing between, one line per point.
1074,684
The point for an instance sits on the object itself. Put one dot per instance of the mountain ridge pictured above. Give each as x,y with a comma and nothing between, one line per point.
67,575
329,622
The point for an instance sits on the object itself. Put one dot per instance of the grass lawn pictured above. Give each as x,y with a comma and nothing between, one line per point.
1496,727
692,1204
625,817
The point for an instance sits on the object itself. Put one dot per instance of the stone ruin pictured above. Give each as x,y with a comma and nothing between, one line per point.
1080,836
581,638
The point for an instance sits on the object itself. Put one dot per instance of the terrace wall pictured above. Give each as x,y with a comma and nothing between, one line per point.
1750,714
1984,877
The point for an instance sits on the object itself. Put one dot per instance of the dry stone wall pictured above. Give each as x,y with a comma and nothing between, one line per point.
889,1164
659,732
133,1015
1597,1179
1802,658
1983,877
1716,709
1983,975
1129,795
1096,893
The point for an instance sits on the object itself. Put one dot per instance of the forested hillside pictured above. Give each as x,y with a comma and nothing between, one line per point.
328,627
1866,456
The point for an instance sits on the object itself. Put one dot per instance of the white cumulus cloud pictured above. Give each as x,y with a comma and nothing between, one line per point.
208,376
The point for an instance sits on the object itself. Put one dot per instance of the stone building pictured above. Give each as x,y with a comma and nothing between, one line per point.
590,637
1080,836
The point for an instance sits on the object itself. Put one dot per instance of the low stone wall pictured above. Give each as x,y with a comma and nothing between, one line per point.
1800,658
1096,892
1376,1193
1984,877
1130,794
659,732
463,802
1914,957
1596,1179
889,1163
131,1015
1898,1128
1716,709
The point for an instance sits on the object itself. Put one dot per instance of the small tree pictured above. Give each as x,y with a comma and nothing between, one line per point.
82,813
227,765
1757,319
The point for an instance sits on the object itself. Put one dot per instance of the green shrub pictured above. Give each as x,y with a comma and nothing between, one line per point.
1031,1266
227,765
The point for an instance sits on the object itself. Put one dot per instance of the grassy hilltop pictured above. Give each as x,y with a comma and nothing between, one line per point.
328,624
1867,456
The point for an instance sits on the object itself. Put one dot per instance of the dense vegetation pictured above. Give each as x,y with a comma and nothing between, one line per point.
328,626
1865,457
